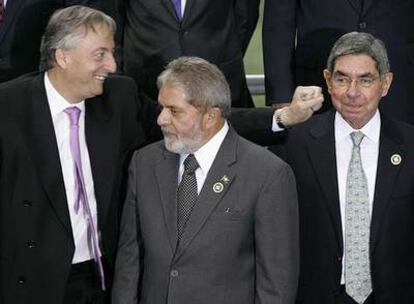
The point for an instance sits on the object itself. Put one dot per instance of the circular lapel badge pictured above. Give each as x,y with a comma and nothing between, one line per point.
396,159
218,187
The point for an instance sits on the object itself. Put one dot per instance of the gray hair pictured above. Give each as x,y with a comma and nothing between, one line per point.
355,43
203,83
65,27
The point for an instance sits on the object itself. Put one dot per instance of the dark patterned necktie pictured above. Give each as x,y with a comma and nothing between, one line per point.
81,197
187,193
357,224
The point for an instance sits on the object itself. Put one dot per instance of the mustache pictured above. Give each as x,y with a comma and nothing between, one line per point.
165,130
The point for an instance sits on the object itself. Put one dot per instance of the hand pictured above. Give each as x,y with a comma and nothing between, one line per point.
305,101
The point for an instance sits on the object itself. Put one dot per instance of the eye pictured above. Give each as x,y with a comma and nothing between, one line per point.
365,81
342,80
100,55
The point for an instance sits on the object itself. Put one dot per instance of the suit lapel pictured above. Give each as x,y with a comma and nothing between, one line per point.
102,141
169,6
166,172
208,198
10,13
323,159
356,5
187,11
41,140
366,6
387,174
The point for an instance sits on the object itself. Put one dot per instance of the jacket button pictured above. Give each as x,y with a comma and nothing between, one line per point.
362,25
21,280
174,273
27,203
31,244
339,258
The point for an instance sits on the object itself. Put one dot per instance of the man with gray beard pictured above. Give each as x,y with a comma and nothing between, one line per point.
209,216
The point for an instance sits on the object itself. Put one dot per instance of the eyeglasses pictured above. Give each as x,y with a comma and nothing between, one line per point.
345,81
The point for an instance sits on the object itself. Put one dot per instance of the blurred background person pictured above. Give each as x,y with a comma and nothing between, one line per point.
154,32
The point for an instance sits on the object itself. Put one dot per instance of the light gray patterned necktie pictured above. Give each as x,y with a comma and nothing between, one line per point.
187,193
357,224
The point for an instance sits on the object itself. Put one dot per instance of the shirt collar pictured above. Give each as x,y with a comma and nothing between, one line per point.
371,129
57,103
207,153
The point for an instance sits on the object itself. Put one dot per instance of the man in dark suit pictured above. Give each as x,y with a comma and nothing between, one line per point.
23,24
318,24
332,201
154,33
223,231
50,250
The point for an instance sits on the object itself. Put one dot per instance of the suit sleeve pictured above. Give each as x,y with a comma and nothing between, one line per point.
279,31
277,239
255,124
127,265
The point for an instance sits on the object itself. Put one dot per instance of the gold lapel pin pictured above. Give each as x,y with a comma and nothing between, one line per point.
218,187
225,179
396,159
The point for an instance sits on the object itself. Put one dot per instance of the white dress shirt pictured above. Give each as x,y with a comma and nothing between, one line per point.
369,156
4,3
183,3
61,124
205,157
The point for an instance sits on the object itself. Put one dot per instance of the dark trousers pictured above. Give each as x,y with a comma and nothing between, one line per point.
83,286
344,298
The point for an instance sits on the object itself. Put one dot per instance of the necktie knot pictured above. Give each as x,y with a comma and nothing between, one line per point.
73,113
190,164
357,137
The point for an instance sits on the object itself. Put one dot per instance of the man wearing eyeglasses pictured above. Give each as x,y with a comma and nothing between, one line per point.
355,181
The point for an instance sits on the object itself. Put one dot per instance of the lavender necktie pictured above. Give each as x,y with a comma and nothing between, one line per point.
80,189
177,6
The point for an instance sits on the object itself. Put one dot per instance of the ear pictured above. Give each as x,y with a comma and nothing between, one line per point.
212,117
386,83
61,58
327,75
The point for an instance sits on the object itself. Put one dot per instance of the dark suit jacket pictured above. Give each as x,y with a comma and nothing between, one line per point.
310,151
36,243
153,36
239,246
319,23
22,29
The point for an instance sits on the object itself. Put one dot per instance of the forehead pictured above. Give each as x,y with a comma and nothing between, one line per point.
173,96
358,64
97,31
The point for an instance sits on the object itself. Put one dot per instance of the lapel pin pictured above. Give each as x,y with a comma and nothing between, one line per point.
218,187
396,159
225,179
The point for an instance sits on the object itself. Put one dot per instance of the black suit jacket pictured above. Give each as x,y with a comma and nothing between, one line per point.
310,150
153,36
319,23
22,29
36,243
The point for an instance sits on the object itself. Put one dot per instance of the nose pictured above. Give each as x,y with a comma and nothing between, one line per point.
110,63
163,118
353,89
